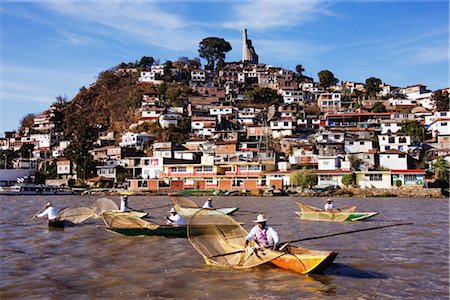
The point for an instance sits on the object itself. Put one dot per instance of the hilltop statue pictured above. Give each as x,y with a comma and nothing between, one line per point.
248,52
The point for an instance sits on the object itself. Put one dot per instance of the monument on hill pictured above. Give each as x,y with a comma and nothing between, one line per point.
248,52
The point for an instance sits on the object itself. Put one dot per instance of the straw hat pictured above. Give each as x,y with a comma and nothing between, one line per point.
329,200
209,199
48,204
260,218
173,210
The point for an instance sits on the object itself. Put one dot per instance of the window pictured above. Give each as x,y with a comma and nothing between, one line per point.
374,177
286,124
402,140
442,114
402,155
243,168
443,123
326,177
181,169
173,169
350,143
391,140
253,168
410,177
361,143
207,168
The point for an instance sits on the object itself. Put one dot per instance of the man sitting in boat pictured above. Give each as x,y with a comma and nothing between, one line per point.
175,219
330,206
263,234
52,214
124,203
208,204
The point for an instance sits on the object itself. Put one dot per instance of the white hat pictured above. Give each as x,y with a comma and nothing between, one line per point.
48,204
173,210
209,199
260,218
329,200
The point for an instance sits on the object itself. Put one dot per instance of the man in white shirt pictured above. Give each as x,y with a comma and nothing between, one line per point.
208,204
263,234
124,203
329,206
175,219
52,214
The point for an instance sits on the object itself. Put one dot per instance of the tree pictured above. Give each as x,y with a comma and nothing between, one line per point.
327,78
27,121
372,86
441,100
347,179
378,107
304,178
213,49
146,62
441,168
167,74
263,96
414,129
81,142
300,70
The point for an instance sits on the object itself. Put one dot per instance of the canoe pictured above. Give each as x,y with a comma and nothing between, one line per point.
311,213
163,230
128,214
190,211
305,261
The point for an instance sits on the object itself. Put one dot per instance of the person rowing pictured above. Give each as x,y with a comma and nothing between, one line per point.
208,204
262,234
52,214
175,219
330,206
124,203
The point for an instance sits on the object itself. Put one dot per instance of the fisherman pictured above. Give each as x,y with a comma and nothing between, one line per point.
263,234
124,203
175,219
208,204
330,206
52,214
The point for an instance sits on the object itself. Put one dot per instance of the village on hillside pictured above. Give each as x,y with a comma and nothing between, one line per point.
310,137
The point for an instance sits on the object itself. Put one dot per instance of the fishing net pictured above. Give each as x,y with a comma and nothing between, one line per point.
183,202
219,239
310,208
77,214
114,220
102,205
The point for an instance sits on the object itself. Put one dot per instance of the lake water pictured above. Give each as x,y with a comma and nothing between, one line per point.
86,261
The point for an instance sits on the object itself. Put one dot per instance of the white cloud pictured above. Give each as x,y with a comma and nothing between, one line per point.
259,15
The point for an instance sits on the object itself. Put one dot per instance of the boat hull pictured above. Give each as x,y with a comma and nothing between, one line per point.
167,231
189,211
335,217
305,261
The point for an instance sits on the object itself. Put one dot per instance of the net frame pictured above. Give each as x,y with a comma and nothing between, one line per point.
102,205
76,214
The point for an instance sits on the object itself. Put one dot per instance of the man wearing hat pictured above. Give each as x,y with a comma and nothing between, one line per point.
124,203
263,234
51,212
175,219
208,204
329,206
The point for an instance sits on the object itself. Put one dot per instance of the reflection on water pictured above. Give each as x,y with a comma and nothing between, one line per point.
86,261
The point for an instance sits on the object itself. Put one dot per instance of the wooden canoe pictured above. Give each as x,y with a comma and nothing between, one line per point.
190,211
128,214
163,230
311,213
305,261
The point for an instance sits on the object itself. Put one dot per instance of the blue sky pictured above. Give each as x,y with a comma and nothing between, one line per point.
51,48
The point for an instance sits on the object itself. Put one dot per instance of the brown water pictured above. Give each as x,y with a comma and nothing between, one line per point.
86,261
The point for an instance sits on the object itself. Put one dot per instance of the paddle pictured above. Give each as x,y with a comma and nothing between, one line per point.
32,218
318,237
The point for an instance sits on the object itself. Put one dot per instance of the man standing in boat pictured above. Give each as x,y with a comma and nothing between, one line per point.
263,234
52,214
124,203
208,204
175,219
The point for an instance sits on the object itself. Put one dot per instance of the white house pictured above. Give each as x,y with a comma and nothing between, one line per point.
292,96
399,142
169,119
220,110
198,75
329,162
329,102
151,167
358,146
203,126
281,128
132,139
394,159
151,113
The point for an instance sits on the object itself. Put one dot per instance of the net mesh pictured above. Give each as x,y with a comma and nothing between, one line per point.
309,208
103,205
183,202
221,242
77,214
113,220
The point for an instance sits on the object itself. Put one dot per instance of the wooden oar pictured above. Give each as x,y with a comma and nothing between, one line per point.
317,237
30,219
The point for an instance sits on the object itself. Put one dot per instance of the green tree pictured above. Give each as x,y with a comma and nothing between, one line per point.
378,107
263,95
213,49
347,179
441,100
327,78
81,142
372,86
414,129
167,73
441,168
304,178
146,62
299,69
27,122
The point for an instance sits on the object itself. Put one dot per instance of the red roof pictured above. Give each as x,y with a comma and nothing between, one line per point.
393,151
417,171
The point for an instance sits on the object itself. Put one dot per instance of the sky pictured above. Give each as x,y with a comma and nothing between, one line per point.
51,48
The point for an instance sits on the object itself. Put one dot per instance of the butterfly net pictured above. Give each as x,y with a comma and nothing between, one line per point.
113,220
219,239
103,205
77,214
183,202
